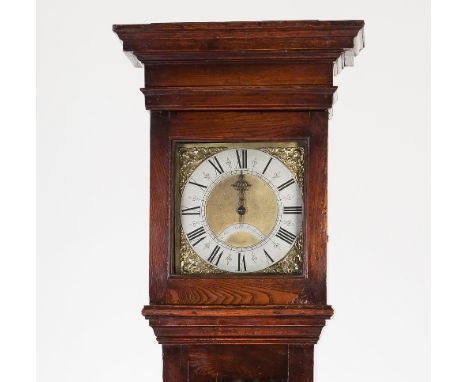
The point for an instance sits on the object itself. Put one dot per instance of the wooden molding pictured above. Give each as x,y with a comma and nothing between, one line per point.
249,324
240,40
270,65
240,98
152,311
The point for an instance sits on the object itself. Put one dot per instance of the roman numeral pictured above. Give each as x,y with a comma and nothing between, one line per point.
268,256
295,210
286,236
197,184
264,170
195,234
217,166
241,262
285,184
213,254
191,211
242,158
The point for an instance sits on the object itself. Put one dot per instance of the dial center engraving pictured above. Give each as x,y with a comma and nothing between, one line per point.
258,210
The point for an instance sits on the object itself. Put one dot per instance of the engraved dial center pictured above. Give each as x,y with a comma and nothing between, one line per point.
229,204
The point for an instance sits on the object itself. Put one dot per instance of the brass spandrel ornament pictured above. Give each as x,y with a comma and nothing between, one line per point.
190,158
292,157
191,263
292,263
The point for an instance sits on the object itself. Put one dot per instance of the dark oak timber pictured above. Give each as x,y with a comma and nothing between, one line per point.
239,82
239,98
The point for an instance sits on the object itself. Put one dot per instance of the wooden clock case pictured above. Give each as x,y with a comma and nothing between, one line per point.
239,82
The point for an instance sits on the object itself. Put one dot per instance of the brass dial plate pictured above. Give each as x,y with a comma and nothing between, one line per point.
219,214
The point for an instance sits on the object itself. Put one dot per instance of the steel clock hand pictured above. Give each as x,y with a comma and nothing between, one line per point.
241,186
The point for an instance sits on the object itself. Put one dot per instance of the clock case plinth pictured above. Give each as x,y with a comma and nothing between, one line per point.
239,82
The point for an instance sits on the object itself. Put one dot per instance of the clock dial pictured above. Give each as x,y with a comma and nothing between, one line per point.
241,210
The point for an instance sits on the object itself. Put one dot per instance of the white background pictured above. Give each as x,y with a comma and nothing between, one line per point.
93,191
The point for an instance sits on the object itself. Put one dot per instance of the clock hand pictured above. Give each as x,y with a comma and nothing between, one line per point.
241,185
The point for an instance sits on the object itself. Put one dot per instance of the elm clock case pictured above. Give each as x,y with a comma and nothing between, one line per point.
238,191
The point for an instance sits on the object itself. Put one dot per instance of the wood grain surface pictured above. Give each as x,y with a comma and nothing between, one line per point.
233,37
239,97
243,73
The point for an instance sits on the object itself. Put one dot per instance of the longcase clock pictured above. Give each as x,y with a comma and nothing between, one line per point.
238,201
